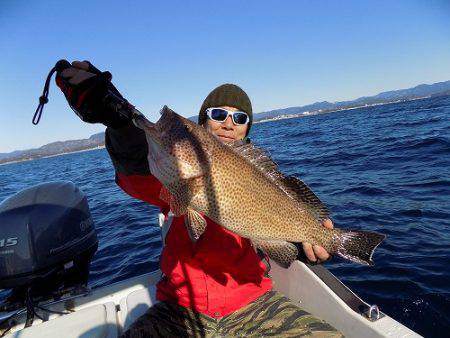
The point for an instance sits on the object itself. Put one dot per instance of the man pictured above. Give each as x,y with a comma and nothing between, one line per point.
218,285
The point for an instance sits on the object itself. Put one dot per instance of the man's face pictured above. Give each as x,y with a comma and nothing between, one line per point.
227,131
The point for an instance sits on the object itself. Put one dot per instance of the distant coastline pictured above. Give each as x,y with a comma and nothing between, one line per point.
75,151
53,155
320,111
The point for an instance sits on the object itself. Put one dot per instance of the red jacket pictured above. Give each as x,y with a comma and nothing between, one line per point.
215,276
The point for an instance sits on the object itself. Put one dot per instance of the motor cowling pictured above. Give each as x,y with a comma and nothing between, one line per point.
46,233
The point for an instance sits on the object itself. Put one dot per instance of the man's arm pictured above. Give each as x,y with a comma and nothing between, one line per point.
84,88
127,147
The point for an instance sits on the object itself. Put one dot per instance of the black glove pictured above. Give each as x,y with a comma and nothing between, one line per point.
92,96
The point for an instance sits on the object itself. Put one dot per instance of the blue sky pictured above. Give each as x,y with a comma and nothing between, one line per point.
284,53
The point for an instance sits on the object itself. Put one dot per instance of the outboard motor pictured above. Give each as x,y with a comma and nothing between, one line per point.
47,241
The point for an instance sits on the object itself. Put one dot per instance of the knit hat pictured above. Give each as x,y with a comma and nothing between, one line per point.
227,95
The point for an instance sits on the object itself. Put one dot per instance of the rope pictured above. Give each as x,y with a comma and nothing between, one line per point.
43,99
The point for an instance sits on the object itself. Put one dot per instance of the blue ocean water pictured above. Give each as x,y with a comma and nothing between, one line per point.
383,168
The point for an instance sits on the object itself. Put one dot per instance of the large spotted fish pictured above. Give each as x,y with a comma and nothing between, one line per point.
239,187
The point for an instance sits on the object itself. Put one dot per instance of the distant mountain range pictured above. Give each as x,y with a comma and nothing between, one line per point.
54,148
420,91
98,140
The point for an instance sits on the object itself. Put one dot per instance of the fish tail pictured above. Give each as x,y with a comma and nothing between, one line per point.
357,246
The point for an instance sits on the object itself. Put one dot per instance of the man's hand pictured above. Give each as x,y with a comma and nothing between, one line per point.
316,253
78,73
85,88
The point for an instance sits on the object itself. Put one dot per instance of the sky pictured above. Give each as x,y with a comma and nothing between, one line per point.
282,53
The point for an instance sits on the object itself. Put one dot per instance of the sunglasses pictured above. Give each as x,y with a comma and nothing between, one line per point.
220,115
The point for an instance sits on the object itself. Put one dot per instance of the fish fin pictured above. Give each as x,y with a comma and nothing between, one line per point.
164,195
282,252
258,157
195,224
166,110
291,185
181,194
298,190
357,246
177,208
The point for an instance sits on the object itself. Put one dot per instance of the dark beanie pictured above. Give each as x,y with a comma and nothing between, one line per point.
227,95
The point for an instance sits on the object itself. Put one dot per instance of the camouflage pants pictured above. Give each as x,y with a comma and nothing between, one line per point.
271,315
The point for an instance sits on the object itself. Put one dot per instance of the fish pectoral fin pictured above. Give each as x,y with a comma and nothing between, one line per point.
195,224
180,195
164,195
282,252
177,208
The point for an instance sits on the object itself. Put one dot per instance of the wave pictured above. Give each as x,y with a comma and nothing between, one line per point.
421,122
440,183
438,144
366,190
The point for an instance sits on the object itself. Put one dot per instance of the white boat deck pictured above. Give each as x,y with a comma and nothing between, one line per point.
107,312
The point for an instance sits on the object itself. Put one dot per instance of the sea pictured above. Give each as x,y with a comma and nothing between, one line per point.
382,168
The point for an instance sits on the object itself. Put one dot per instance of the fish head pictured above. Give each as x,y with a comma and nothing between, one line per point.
179,149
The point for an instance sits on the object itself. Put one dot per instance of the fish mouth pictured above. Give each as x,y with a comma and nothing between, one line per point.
150,129
165,158
158,158
153,136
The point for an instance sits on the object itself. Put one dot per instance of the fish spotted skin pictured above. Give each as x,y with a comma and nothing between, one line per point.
241,188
